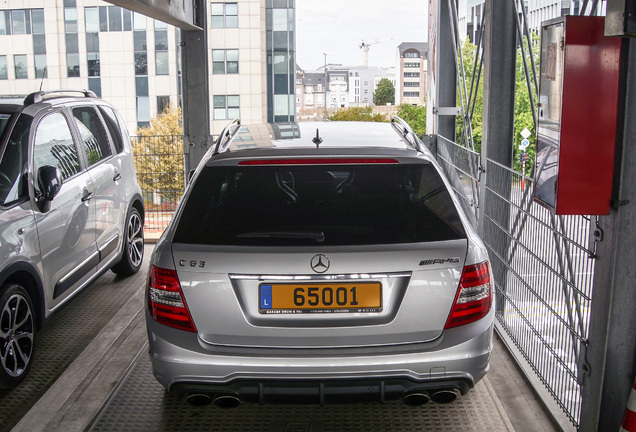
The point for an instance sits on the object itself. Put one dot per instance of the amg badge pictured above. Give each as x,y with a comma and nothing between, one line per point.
440,261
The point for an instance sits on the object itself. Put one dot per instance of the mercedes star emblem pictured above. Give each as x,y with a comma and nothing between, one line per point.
320,263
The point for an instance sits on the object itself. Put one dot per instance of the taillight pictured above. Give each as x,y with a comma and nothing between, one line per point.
165,300
474,296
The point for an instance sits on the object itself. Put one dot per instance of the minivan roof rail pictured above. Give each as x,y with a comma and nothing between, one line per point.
403,128
38,96
224,140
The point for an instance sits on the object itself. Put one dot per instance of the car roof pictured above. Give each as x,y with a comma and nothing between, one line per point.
336,139
39,99
331,134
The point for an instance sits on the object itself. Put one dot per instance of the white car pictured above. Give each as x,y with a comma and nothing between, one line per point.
70,209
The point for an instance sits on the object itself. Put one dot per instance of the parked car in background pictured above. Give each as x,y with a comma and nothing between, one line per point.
70,209
319,262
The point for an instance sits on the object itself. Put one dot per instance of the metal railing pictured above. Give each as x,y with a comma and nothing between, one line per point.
159,162
543,270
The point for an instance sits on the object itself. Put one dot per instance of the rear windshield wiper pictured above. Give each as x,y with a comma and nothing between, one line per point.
318,236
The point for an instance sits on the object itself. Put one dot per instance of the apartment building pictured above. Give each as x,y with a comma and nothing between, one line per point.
412,73
134,61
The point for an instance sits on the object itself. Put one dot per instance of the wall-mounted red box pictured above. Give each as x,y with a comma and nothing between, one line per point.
577,110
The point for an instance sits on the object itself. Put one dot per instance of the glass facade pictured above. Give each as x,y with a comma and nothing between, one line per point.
280,34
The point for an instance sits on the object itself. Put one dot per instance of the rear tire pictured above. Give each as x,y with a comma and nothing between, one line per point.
133,253
17,334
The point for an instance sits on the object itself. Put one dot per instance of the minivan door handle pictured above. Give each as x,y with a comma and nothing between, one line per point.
87,196
117,177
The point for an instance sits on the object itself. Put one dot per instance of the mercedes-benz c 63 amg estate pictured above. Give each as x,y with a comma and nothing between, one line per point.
319,262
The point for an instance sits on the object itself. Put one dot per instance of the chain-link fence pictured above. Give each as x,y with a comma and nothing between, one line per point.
543,269
159,161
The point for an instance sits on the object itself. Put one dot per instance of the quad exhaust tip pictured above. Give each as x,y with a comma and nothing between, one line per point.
204,399
199,399
416,399
226,401
445,396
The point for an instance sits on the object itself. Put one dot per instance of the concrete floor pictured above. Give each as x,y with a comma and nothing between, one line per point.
109,387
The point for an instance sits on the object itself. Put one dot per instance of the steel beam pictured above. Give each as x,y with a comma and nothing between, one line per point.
611,353
500,50
180,14
196,92
447,72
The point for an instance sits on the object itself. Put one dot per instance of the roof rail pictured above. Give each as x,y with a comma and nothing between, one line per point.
403,128
38,96
224,140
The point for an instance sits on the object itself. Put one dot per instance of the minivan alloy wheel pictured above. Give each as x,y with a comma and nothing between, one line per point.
17,331
135,239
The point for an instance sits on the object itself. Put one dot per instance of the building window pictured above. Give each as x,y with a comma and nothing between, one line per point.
4,74
162,66
411,65
163,102
40,66
37,21
114,18
70,20
226,107
412,94
411,84
411,74
18,22
224,15
20,66
225,61
72,65
143,111
411,55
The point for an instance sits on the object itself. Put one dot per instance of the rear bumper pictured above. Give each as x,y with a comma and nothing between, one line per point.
457,360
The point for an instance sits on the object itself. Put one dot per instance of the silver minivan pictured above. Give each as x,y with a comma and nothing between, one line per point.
70,209
319,262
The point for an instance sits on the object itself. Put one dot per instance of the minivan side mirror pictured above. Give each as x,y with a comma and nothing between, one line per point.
49,184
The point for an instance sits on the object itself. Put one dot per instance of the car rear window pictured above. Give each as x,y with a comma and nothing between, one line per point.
318,205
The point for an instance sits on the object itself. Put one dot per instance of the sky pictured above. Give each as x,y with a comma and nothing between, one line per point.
338,27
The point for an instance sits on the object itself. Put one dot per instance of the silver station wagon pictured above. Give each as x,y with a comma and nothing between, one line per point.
319,262
70,209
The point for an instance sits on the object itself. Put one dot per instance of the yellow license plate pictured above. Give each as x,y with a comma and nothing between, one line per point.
320,297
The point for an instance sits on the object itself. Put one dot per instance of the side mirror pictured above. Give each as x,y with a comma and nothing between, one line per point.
49,184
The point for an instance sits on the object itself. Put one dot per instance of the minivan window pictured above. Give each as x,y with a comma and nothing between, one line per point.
318,205
93,134
54,146
111,122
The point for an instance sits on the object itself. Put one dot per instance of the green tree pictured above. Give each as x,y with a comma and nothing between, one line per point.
384,92
468,53
357,114
415,116
158,153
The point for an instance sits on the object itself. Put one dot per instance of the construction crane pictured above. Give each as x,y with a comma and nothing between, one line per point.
364,46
